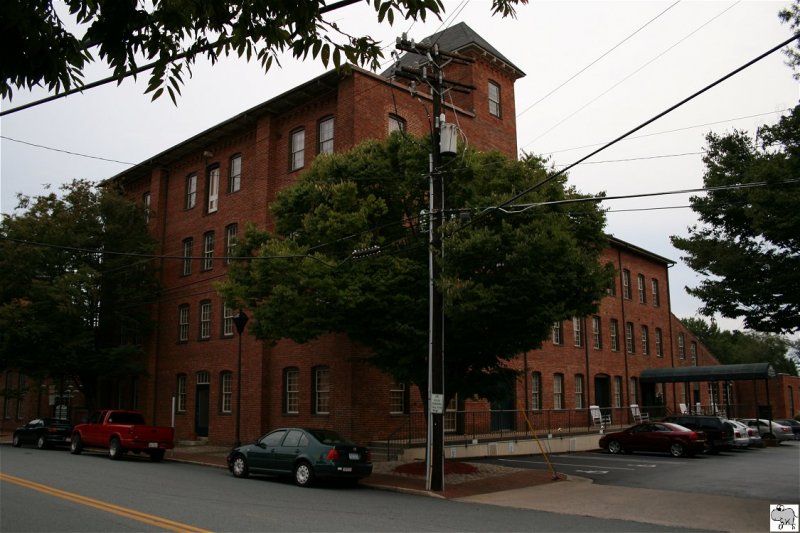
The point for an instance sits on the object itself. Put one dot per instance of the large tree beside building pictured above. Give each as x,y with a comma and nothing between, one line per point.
53,45
506,277
76,279
748,241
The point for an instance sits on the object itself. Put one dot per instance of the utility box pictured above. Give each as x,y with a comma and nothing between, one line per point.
448,139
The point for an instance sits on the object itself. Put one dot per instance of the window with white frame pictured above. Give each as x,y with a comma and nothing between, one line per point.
235,174
659,343
597,335
645,340
203,377
617,391
577,331
191,191
322,390
629,346
297,149
450,421
291,391
227,320
578,391
397,398
205,319
213,189
180,393
681,346
558,391
183,322
208,250
634,390
654,292
641,288
613,330
396,123
325,136
187,256
558,334
626,284
494,99
693,352
146,205
536,391
226,391
230,241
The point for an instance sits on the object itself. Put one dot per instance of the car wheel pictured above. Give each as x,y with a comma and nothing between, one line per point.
75,445
156,455
239,467
15,442
768,436
115,450
41,442
614,446
303,474
676,449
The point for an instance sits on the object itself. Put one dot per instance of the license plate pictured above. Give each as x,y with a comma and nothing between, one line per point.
346,469
152,445
354,456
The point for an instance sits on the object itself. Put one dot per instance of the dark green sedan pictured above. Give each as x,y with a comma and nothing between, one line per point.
305,454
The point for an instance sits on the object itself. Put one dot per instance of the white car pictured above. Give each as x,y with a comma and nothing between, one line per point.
741,438
776,431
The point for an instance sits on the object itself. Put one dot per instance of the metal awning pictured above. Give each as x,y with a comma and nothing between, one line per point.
707,373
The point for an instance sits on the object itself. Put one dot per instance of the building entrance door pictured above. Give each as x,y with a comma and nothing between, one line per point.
602,390
202,393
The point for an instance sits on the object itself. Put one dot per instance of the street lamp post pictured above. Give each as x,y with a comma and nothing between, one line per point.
240,320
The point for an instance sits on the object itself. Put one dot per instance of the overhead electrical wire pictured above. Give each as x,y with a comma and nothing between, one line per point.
584,69
620,82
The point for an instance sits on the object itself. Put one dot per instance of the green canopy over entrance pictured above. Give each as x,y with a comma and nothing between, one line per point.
707,373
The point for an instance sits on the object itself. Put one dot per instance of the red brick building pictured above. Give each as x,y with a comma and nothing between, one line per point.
202,192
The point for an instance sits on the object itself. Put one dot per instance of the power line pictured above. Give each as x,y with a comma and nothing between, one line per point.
623,80
65,151
595,61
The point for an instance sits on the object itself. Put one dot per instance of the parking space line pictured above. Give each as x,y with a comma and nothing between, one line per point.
567,464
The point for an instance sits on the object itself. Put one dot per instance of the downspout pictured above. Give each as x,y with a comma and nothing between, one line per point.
157,355
586,354
624,329
671,349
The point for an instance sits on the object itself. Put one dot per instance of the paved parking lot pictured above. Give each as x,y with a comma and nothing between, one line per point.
769,474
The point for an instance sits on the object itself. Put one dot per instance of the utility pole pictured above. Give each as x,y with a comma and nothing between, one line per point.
436,404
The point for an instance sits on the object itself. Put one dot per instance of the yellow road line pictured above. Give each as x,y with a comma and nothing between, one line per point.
104,506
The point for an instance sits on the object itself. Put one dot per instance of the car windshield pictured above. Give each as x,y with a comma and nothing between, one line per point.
326,436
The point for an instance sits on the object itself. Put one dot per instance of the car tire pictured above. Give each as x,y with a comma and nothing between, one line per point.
239,466
303,474
768,436
41,442
15,442
676,449
115,450
157,455
75,445
615,447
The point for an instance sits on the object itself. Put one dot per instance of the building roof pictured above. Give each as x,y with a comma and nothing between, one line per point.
688,374
456,39
632,248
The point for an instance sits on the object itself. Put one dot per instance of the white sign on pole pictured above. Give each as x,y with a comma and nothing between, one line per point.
437,403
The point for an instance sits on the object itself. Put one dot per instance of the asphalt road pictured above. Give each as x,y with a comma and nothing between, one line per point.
51,490
769,474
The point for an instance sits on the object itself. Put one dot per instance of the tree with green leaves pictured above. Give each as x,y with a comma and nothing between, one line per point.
736,347
76,278
349,255
41,45
748,242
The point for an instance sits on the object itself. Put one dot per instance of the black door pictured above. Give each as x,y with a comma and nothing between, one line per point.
201,411
602,390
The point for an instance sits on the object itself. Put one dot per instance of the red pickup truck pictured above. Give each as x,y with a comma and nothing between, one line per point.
121,432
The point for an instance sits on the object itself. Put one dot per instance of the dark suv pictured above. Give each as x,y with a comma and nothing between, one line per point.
718,434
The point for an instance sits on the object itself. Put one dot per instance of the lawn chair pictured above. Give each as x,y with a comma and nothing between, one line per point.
638,415
684,409
598,418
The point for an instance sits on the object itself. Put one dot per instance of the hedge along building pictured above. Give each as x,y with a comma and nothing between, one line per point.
201,193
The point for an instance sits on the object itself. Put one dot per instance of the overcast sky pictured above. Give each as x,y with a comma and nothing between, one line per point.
670,51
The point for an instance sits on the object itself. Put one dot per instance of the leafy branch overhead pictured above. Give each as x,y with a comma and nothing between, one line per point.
42,45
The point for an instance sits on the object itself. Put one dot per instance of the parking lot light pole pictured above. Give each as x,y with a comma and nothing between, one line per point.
240,320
